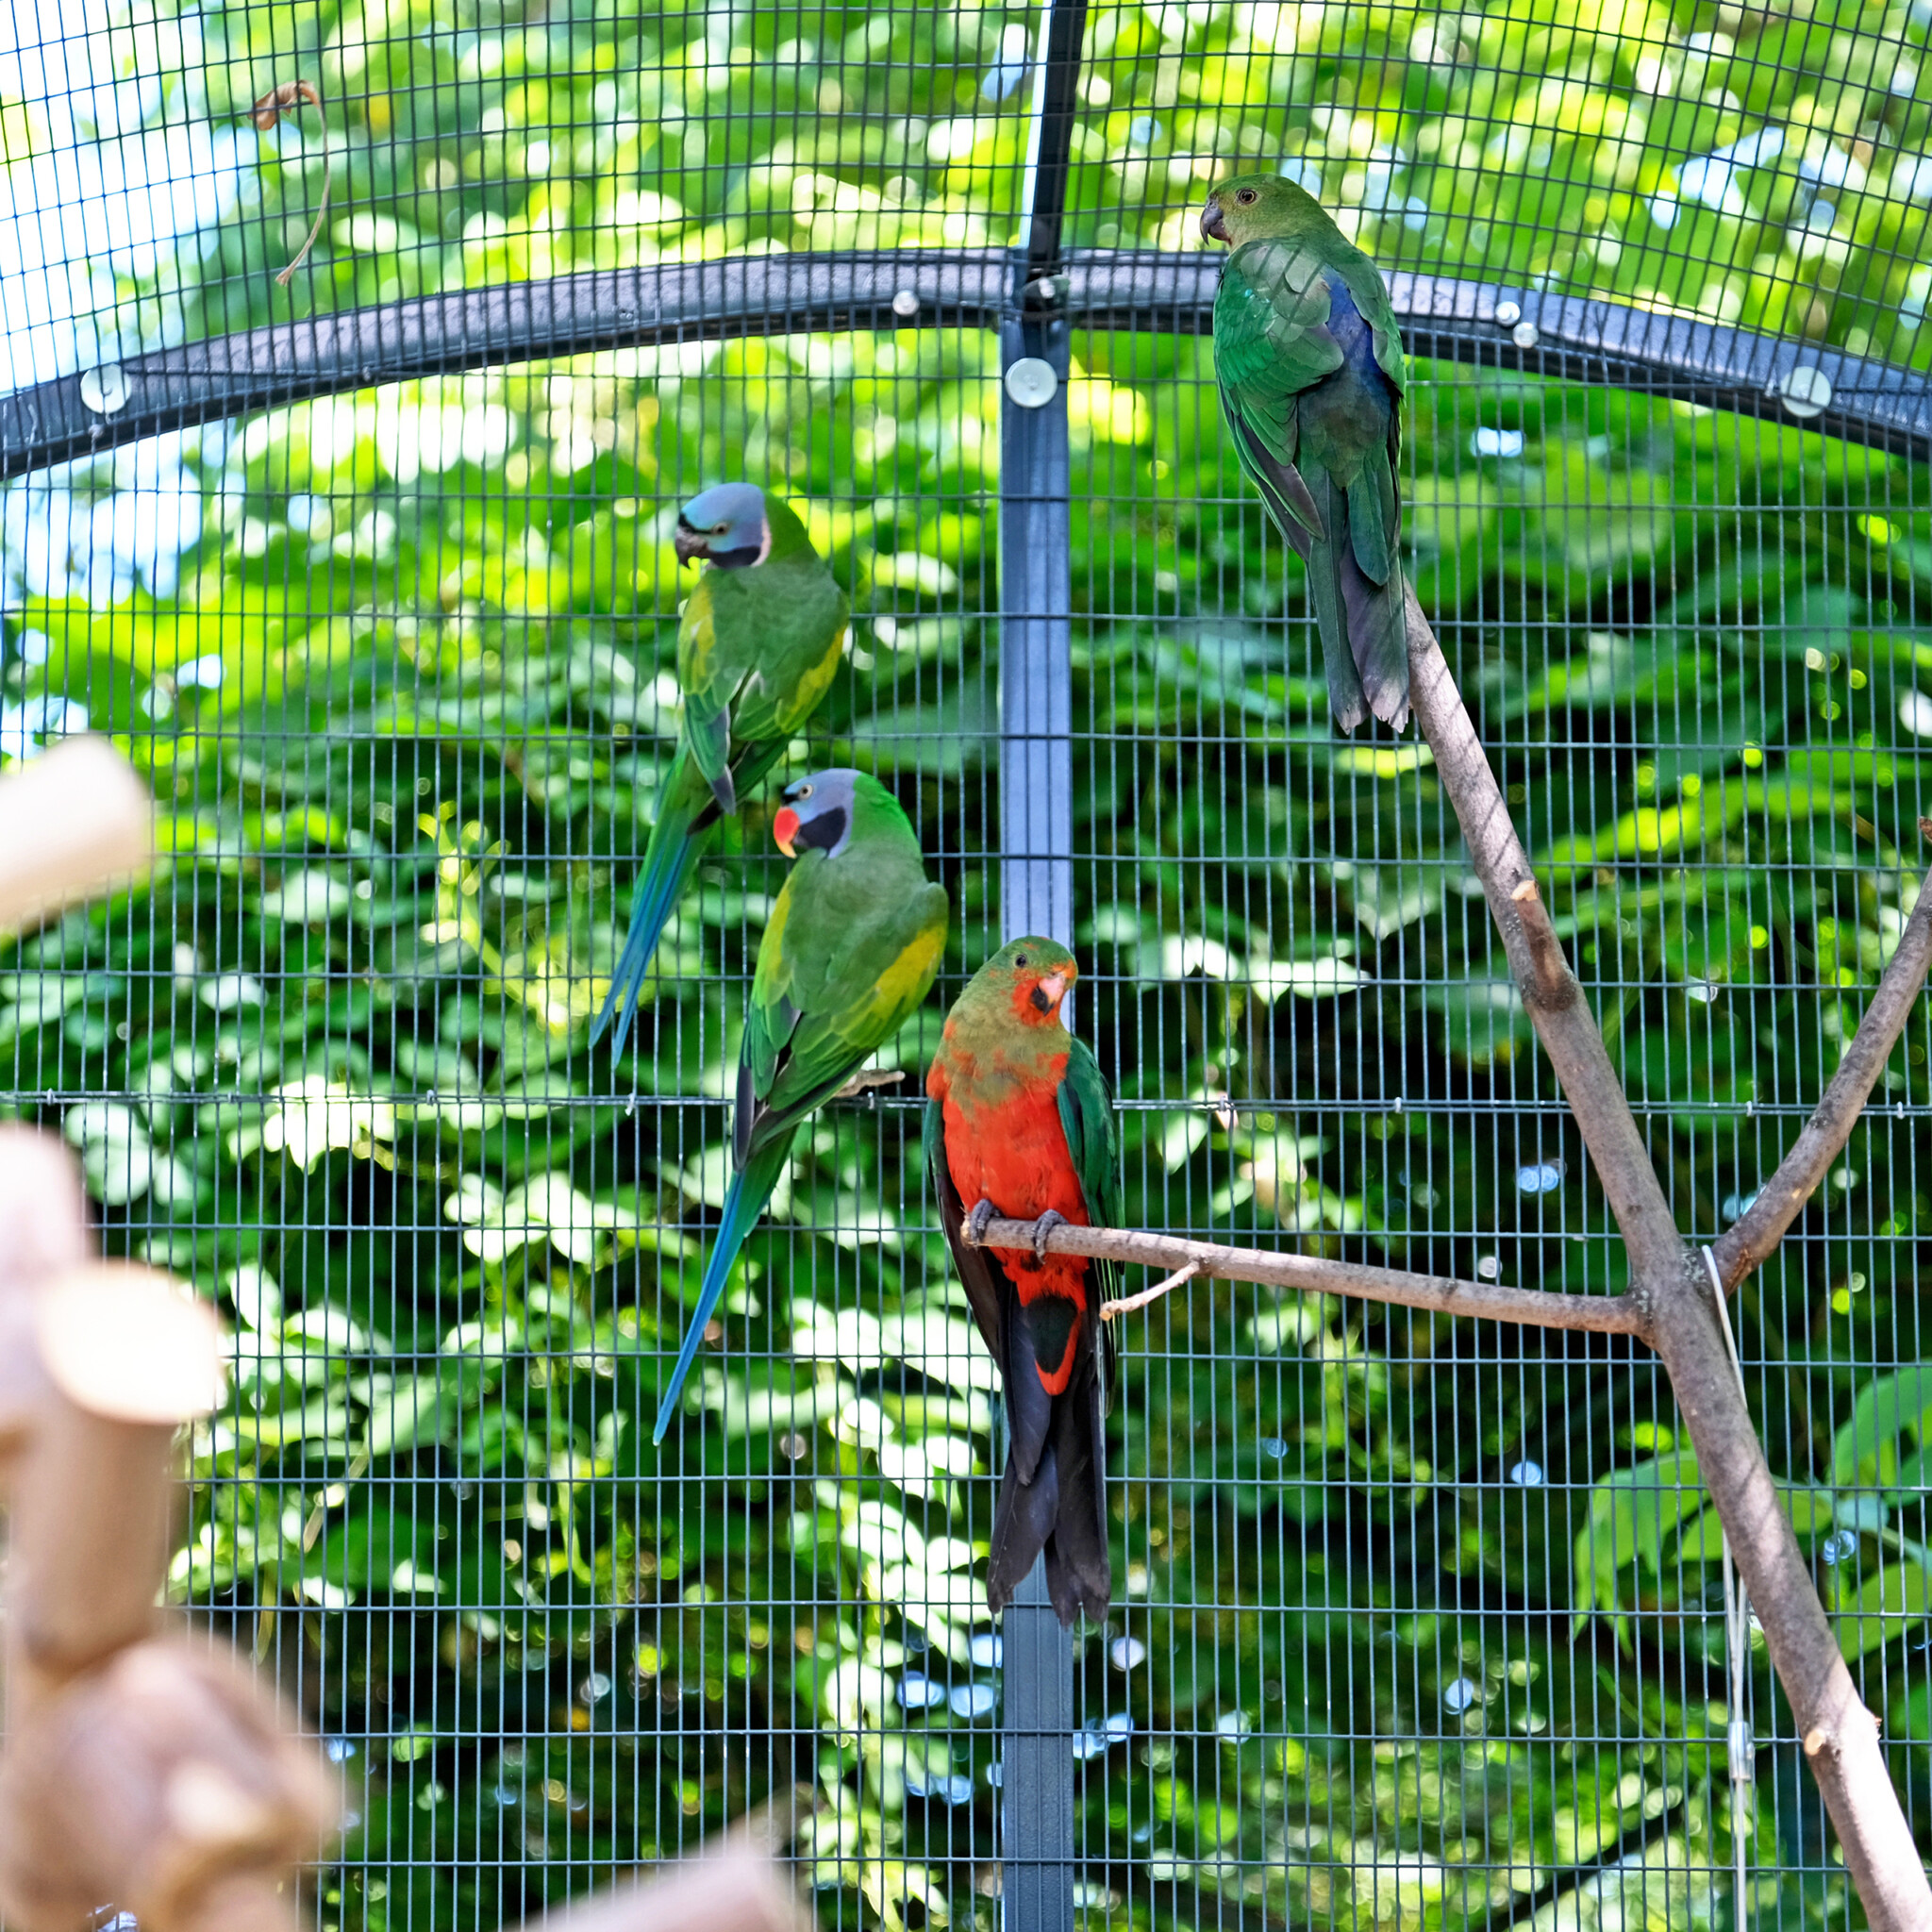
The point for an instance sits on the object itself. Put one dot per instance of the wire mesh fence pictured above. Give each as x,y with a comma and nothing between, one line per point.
1417,1622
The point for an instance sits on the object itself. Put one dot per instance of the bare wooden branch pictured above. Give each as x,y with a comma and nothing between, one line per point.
1672,1291
97,1493
167,1781
1748,1243
737,1891
1317,1274
1556,1005
69,822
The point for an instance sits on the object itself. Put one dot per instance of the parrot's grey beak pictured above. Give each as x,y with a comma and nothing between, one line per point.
688,543
1211,224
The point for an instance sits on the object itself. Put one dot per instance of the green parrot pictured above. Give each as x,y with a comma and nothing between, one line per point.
850,949
1310,364
757,646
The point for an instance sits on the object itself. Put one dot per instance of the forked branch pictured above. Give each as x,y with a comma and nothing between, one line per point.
1670,1302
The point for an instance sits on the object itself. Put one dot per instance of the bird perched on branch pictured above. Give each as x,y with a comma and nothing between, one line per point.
1310,364
851,947
1018,1124
756,647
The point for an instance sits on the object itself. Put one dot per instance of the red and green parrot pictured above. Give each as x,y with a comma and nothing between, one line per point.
1019,1123
849,952
757,646
1310,364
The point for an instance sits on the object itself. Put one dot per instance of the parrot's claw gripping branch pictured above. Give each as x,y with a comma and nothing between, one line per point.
1043,1228
973,1229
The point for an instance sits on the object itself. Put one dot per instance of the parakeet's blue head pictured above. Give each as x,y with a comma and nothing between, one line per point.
816,814
727,527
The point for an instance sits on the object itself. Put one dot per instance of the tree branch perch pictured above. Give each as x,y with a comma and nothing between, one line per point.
1673,1293
1440,1294
1670,1302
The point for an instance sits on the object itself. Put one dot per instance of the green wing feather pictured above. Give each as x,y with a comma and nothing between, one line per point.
757,650
1086,1116
839,973
1272,344
1271,337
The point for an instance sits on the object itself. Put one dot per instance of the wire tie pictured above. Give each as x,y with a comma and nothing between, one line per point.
1737,1649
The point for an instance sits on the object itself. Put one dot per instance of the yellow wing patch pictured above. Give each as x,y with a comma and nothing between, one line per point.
812,686
903,982
697,636
773,974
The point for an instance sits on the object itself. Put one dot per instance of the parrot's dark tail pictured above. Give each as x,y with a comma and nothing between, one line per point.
677,842
1364,624
1062,1511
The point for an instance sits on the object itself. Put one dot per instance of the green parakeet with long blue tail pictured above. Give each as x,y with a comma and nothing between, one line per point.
852,945
757,646
1310,364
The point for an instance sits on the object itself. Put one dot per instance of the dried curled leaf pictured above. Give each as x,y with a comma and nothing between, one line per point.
267,115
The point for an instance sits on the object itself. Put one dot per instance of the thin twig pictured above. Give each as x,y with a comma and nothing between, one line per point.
1125,1305
1316,1274
1781,1200
267,113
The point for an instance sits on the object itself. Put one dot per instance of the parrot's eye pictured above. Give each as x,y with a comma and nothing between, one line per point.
805,791
1246,197
1018,959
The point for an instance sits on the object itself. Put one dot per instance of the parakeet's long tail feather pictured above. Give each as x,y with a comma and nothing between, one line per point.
1063,1513
751,1188
677,842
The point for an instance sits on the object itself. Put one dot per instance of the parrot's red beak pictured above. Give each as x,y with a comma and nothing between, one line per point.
1053,988
785,830
1212,226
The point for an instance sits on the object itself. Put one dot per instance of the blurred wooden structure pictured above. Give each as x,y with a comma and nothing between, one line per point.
146,1769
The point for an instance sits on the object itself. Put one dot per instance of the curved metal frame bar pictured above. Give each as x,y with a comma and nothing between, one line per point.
1568,337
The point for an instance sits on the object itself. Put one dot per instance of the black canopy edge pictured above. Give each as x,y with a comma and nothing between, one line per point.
1568,337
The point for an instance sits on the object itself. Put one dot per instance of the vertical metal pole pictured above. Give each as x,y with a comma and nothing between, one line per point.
1036,883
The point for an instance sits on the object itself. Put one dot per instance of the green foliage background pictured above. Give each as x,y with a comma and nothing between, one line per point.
1417,1623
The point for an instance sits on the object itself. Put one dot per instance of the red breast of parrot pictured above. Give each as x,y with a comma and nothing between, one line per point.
1019,1123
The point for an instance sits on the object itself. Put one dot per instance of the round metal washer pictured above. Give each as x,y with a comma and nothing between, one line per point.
1508,314
906,303
106,388
1031,382
1806,391
1524,335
